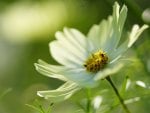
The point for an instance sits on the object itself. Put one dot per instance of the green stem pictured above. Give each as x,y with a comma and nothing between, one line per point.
118,95
5,93
88,101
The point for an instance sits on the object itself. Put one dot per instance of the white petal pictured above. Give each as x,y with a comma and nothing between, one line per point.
71,48
64,56
76,37
98,34
122,18
132,37
119,18
117,53
135,33
95,36
81,77
109,70
50,70
118,21
116,9
107,35
61,93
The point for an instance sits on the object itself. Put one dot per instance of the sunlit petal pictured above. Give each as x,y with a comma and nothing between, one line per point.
81,77
135,33
50,70
111,69
61,93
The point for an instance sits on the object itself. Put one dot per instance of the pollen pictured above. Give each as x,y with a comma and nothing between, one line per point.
96,61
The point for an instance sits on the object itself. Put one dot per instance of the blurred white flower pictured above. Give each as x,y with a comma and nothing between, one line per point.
25,22
87,59
141,84
146,15
97,102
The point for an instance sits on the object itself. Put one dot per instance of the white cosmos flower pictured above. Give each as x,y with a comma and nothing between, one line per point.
81,66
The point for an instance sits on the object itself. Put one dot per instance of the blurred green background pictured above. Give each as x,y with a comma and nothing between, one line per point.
26,28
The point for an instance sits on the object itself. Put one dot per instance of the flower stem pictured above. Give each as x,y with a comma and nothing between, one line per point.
118,95
88,101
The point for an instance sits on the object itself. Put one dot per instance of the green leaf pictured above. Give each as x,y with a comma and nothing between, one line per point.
35,108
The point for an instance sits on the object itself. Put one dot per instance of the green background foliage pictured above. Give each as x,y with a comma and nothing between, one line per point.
26,28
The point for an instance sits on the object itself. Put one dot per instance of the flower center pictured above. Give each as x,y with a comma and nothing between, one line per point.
96,61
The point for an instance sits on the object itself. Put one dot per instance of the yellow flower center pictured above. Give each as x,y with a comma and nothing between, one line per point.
96,61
